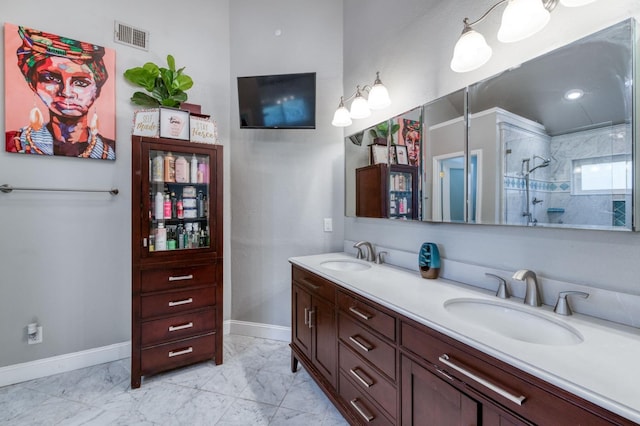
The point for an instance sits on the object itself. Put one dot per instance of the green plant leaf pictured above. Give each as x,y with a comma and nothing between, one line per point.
143,99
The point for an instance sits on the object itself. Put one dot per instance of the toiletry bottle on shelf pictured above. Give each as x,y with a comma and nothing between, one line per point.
194,169
161,237
169,168
200,204
174,205
200,173
180,208
157,173
167,207
159,206
182,170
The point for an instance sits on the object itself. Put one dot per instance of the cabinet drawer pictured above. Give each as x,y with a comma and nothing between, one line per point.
362,408
176,278
314,284
369,381
178,354
177,301
371,348
178,327
542,402
367,314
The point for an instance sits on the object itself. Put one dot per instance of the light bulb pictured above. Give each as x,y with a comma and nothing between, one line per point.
471,51
575,3
341,117
360,107
522,19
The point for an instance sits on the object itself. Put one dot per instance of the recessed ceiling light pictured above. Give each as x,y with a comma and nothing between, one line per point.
573,94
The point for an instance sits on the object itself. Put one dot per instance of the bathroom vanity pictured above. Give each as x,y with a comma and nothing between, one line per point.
389,347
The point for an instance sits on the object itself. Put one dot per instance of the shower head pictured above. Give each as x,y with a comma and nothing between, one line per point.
545,161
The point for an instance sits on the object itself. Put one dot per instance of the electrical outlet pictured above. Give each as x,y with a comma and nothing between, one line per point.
328,224
32,339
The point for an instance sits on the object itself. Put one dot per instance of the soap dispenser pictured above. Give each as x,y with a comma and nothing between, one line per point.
429,260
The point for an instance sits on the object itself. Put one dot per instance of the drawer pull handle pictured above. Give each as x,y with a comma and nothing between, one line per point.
182,352
354,404
306,316
310,285
181,278
366,346
180,327
363,315
181,302
515,399
367,383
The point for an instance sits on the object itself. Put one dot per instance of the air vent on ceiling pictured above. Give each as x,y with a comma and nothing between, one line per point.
134,37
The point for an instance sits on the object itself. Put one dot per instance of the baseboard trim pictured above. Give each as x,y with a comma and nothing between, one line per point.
22,372
253,329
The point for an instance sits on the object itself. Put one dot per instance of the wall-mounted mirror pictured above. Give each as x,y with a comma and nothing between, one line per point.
555,136
382,174
546,143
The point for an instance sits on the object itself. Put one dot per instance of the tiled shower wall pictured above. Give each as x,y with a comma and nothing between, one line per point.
553,184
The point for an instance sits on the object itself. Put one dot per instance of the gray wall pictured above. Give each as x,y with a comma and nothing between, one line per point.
283,182
413,55
65,257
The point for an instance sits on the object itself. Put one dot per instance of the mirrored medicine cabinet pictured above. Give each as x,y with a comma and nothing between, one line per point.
547,143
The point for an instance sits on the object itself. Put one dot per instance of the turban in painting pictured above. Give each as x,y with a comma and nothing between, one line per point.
38,46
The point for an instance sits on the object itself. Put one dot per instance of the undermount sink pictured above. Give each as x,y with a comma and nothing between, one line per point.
345,265
514,322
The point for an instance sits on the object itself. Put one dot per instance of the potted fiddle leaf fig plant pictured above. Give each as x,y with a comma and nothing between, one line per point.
164,86
381,132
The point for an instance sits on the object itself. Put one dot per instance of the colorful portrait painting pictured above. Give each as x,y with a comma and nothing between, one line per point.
59,95
410,135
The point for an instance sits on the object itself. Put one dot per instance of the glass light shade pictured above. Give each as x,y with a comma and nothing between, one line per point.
471,51
341,117
575,3
522,19
360,108
379,97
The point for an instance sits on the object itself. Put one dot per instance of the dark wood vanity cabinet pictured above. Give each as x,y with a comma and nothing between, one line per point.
313,331
379,367
176,301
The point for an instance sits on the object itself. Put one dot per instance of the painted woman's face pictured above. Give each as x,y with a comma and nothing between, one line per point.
67,88
412,141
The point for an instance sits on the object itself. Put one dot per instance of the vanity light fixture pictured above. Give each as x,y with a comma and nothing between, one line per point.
521,19
378,98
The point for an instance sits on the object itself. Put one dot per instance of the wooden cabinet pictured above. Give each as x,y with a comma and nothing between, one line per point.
379,367
177,255
387,191
313,331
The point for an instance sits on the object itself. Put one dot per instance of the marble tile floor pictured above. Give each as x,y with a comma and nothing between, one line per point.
254,386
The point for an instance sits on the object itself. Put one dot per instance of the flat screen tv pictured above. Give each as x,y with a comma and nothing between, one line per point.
283,101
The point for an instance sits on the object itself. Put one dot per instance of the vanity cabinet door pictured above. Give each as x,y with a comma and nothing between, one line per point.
301,332
313,331
428,400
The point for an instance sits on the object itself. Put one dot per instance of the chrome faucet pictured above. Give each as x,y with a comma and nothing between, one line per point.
532,292
371,255
503,290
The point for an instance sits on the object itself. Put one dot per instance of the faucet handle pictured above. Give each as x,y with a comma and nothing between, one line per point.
380,257
503,291
562,305
359,254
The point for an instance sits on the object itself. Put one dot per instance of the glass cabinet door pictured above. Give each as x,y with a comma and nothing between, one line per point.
178,201
400,195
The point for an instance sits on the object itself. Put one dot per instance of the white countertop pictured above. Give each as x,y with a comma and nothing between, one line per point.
603,369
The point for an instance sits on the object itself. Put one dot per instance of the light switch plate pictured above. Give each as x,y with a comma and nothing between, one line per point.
328,224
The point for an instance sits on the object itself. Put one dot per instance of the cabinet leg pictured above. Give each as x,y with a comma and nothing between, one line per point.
294,363
135,382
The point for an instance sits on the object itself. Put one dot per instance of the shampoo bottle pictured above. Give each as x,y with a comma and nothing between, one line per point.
182,170
161,237
169,168
157,174
159,206
194,169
